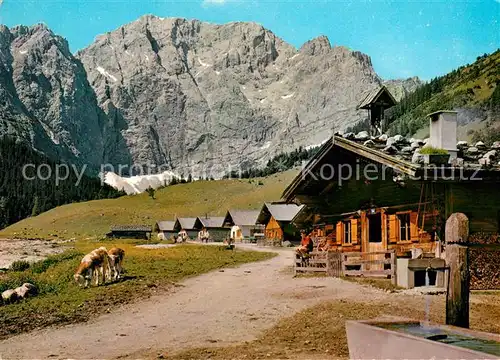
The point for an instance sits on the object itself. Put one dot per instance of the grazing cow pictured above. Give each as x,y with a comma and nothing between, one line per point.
93,263
116,256
10,296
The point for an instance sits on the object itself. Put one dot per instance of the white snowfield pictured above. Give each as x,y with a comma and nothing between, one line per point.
103,72
138,184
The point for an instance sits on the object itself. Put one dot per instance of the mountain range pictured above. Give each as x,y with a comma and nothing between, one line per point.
179,95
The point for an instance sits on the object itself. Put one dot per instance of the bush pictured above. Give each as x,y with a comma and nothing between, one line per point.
20,265
429,150
42,265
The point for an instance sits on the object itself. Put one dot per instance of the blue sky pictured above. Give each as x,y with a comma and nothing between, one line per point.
423,38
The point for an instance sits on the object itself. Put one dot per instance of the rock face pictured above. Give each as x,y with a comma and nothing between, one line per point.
178,94
45,97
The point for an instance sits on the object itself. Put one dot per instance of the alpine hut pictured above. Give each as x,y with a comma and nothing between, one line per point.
215,227
277,219
165,229
243,224
390,194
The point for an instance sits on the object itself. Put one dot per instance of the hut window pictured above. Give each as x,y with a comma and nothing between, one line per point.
347,232
404,227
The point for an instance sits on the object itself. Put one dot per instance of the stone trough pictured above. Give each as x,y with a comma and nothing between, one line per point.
406,339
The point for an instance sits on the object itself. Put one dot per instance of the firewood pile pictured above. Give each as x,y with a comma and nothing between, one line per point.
484,257
483,238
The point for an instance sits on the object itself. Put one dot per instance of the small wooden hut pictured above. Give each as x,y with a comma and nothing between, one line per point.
165,229
190,225
215,226
277,218
243,224
130,231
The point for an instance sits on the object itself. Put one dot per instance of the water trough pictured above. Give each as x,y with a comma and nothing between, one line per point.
406,339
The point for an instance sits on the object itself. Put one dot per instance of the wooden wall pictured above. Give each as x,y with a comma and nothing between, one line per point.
273,230
390,233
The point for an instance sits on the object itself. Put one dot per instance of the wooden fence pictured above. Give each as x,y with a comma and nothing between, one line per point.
337,264
315,262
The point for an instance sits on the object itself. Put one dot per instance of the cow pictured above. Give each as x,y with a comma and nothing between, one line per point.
116,256
92,265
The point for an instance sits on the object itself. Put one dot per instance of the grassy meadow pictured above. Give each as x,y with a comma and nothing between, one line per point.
147,271
92,220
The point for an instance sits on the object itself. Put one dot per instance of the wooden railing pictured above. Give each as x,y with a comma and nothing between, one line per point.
316,261
337,264
370,264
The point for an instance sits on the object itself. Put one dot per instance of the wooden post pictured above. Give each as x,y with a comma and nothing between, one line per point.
457,260
394,280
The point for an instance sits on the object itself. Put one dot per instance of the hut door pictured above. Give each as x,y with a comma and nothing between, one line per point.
375,232
375,240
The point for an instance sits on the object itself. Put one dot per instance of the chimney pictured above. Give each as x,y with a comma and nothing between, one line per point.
443,131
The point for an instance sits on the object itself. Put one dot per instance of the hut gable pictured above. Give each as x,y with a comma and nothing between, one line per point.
212,222
281,212
380,95
241,217
187,224
165,226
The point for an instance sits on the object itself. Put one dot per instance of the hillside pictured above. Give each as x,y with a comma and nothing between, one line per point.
23,194
472,90
94,218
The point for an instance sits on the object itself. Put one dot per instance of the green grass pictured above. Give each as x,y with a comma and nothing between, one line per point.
93,219
61,301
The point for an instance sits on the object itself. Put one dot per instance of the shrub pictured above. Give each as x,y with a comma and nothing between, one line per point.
429,150
42,265
19,265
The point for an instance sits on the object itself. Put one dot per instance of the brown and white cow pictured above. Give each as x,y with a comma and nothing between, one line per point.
116,256
92,266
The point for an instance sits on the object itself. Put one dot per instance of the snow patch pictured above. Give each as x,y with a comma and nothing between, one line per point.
288,96
147,57
202,63
217,72
23,52
263,101
103,72
266,145
138,184
294,56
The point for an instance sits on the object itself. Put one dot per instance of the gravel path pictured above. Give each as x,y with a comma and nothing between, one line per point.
221,307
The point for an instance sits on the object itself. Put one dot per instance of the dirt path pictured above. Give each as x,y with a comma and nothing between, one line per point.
217,308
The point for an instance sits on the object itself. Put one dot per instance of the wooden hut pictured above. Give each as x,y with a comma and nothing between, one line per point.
277,218
243,224
165,229
130,231
190,225
383,197
215,226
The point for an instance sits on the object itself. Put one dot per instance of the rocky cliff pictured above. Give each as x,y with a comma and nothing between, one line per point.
179,94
